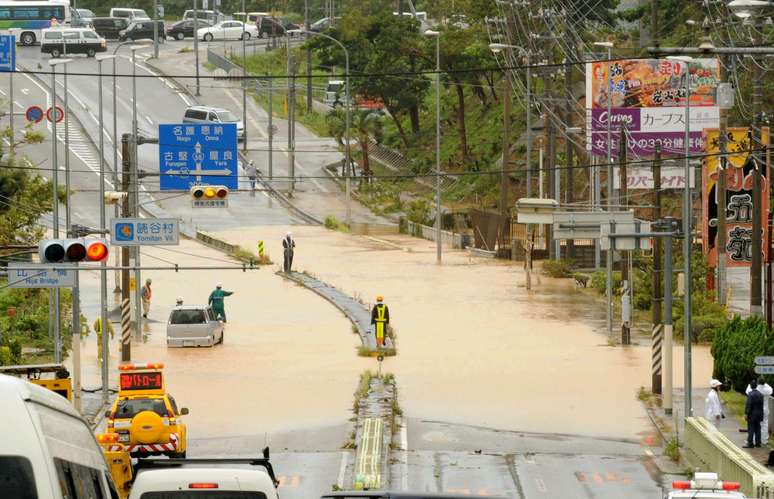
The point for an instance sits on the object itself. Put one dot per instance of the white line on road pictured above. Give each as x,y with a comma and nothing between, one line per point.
342,470
149,120
404,447
25,91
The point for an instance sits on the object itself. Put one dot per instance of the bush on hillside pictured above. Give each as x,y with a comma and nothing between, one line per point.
734,348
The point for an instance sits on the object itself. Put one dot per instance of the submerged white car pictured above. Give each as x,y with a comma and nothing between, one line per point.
193,326
227,30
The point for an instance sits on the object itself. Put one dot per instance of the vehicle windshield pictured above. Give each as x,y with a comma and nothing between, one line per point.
227,117
129,408
187,317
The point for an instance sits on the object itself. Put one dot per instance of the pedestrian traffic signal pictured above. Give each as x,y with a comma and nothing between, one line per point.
209,196
73,250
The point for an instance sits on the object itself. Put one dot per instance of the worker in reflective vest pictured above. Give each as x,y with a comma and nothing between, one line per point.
380,317
98,330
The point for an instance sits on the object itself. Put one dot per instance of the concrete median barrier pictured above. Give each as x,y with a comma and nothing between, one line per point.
710,450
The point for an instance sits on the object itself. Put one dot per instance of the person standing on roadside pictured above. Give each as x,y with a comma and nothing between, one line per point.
766,391
753,413
288,247
380,318
713,410
252,174
146,297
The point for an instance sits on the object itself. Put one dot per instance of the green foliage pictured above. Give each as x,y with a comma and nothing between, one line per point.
735,346
599,282
557,268
672,449
418,211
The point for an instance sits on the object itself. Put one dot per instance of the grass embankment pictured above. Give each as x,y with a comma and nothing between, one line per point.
274,63
734,403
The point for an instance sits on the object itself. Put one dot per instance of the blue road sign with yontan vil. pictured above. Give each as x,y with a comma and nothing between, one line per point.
145,232
196,154
7,53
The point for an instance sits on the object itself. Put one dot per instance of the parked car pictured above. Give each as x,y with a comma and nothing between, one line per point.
185,28
208,15
213,115
289,25
130,14
269,26
227,30
58,41
140,29
81,18
193,326
109,27
322,24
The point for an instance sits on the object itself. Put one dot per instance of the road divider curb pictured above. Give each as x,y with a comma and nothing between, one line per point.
356,312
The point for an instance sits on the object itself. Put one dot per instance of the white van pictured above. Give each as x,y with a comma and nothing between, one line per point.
46,448
208,15
130,14
195,482
59,42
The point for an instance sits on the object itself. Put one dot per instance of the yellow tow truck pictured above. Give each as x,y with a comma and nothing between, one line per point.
144,417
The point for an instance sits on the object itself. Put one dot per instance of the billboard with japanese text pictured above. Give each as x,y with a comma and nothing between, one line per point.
739,198
648,101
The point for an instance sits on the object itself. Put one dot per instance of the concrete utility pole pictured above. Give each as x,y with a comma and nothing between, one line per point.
126,317
551,166
156,29
244,80
196,43
528,112
756,266
308,61
668,319
271,129
657,331
291,119
720,189
625,333
55,211
506,145
568,154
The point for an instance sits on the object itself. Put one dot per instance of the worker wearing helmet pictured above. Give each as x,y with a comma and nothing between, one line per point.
98,330
380,317
179,302
146,294
216,301
288,247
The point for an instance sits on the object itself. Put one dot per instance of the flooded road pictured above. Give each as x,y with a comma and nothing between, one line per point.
288,360
476,348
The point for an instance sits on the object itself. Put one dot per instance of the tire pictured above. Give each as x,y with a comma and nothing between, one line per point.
55,53
179,455
207,37
222,336
27,39
246,36
180,36
91,53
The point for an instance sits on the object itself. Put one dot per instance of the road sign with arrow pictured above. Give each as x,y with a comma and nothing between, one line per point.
196,154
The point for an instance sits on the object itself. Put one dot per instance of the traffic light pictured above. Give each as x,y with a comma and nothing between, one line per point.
209,196
73,250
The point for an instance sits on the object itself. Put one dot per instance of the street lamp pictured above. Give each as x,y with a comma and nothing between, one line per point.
243,14
687,235
55,185
347,153
609,252
437,35
102,224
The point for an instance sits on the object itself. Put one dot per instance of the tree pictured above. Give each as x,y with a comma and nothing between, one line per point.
366,124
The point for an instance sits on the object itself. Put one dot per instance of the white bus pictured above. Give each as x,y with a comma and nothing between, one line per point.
26,19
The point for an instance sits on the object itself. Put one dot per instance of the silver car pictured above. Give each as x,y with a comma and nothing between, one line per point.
193,326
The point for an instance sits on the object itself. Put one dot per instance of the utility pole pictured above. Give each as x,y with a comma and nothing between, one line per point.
568,154
291,119
625,278
668,319
196,43
528,111
156,29
549,125
756,266
271,129
722,202
506,145
657,331
126,317
308,61
55,213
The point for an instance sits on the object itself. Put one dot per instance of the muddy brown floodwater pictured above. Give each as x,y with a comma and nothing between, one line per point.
474,346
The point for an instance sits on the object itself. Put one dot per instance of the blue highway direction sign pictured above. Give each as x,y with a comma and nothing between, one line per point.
198,155
7,53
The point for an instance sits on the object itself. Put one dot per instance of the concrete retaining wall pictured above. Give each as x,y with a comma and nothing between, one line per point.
708,449
450,239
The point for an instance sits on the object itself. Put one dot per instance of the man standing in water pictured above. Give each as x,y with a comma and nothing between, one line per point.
288,247
216,301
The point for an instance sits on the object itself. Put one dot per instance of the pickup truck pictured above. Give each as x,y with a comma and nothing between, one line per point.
193,326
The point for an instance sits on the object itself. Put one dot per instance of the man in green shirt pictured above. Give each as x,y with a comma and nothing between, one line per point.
216,301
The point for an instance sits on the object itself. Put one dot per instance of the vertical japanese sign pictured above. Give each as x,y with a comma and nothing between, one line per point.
648,98
739,197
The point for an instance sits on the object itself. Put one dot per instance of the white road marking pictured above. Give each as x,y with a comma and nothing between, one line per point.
342,470
25,91
149,120
19,105
404,447
2,92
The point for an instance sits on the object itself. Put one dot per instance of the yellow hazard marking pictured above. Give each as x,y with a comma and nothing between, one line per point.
368,463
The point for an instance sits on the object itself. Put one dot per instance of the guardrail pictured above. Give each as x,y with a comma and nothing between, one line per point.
713,451
452,239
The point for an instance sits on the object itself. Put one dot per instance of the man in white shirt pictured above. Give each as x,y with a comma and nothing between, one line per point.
713,411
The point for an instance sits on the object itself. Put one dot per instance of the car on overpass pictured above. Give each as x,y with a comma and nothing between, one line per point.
228,30
144,416
185,28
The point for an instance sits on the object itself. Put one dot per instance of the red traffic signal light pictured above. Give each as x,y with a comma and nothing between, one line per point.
72,250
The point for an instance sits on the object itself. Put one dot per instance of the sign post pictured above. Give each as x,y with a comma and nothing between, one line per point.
8,65
198,155
764,365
